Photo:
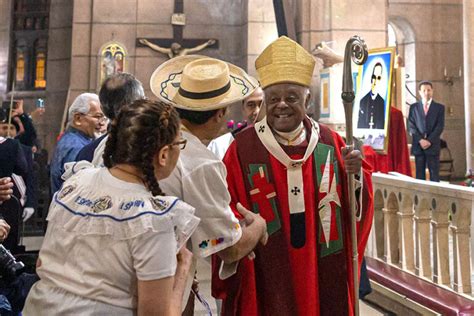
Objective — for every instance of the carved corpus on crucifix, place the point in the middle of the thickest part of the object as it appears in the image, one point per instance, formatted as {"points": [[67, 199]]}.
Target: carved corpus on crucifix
{"points": [[177, 46]]}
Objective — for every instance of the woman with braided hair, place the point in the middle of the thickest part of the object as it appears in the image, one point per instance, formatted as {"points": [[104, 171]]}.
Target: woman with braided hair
{"points": [[113, 238]]}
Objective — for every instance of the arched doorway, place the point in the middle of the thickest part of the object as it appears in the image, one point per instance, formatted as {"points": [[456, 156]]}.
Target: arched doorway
{"points": [[402, 36]]}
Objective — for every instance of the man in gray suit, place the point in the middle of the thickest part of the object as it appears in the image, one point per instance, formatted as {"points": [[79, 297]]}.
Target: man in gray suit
{"points": [[425, 124]]}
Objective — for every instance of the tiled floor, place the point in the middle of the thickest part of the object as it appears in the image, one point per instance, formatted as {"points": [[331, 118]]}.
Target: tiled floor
{"points": [[204, 276]]}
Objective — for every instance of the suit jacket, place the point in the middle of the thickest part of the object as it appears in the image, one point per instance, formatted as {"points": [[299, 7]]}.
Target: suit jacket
{"points": [[87, 152], [429, 127], [369, 106]]}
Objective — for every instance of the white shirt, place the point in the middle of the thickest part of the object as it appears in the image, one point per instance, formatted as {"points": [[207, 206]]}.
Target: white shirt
{"points": [[220, 145], [98, 161], [105, 234], [199, 179]]}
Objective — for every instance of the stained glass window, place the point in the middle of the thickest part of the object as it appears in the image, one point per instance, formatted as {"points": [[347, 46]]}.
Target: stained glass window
{"points": [[112, 60], [40, 80], [30, 23], [20, 68]]}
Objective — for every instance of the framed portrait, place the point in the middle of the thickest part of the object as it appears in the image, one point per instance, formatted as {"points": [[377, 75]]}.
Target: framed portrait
{"points": [[372, 98], [324, 93]]}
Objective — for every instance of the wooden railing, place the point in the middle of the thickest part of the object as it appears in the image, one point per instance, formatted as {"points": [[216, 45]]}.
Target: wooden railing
{"points": [[424, 228]]}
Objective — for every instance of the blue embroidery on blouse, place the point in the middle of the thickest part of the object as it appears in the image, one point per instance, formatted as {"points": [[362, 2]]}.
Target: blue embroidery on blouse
{"points": [[125, 206], [84, 201]]}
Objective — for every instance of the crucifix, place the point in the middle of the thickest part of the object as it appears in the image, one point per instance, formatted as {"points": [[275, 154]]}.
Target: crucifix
{"points": [[177, 46], [371, 123]]}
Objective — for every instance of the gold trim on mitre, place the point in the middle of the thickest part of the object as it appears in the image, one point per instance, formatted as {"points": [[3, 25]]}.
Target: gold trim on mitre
{"points": [[285, 61]]}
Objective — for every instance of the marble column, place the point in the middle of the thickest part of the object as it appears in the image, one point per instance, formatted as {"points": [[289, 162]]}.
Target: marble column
{"points": [[57, 72], [261, 30], [468, 38]]}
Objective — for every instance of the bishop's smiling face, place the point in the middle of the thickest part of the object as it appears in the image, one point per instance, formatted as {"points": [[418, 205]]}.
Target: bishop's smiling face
{"points": [[286, 105]]}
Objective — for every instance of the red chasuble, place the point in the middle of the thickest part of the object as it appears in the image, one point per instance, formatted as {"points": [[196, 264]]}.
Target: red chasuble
{"points": [[314, 275]]}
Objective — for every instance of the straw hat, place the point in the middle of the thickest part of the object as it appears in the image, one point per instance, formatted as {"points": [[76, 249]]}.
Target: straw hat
{"points": [[200, 83], [285, 61]]}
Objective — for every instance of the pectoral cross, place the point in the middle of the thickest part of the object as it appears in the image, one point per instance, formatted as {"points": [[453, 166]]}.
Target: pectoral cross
{"points": [[371, 123], [177, 46]]}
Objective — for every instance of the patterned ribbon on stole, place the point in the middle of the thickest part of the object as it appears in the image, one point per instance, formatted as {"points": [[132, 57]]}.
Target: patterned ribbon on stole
{"points": [[294, 176]]}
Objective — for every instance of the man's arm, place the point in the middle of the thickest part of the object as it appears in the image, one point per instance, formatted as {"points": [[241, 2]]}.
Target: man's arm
{"points": [[200, 47], [439, 126], [412, 127], [255, 230], [205, 188]]}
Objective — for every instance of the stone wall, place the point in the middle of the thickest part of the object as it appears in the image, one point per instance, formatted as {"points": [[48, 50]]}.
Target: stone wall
{"points": [[336, 21], [57, 72], [435, 44], [5, 21], [97, 22]]}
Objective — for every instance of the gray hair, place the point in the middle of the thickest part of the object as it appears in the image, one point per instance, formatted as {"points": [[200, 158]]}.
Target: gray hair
{"points": [[82, 105]]}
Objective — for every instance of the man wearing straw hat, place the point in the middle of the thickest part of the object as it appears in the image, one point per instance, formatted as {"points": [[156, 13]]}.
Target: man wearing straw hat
{"points": [[291, 170], [201, 89]]}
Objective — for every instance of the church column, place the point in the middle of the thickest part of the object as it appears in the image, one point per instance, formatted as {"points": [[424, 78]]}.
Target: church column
{"points": [[5, 21], [261, 30], [468, 38], [57, 69]]}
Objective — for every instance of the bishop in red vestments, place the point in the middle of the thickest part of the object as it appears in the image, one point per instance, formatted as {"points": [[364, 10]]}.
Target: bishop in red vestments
{"points": [[292, 171]]}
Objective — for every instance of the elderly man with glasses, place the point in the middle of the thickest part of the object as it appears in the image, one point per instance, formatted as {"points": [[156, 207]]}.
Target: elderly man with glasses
{"points": [[85, 119]]}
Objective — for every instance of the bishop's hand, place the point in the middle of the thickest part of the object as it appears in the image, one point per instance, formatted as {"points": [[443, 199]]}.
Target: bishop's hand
{"points": [[352, 160]]}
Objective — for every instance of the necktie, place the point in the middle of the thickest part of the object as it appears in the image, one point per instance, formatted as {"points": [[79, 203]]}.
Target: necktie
{"points": [[425, 107]]}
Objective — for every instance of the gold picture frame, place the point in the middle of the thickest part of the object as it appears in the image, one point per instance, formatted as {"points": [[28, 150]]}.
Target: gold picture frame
{"points": [[371, 115]]}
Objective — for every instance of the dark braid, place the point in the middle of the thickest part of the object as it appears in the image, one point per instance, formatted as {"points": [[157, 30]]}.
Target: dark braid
{"points": [[147, 166], [140, 130]]}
